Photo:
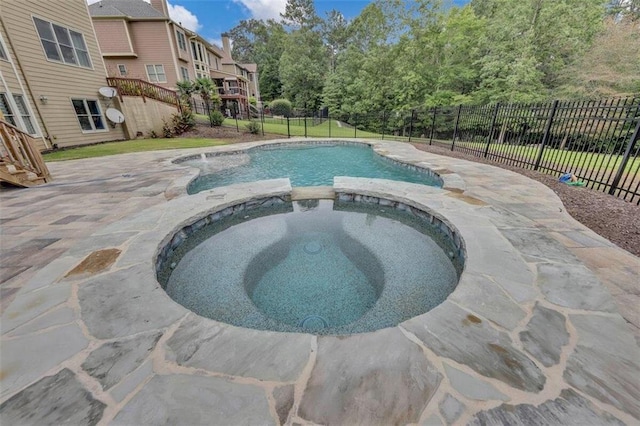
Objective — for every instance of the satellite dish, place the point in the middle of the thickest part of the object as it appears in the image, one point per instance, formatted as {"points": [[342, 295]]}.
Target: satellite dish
{"points": [[108, 92], [114, 115]]}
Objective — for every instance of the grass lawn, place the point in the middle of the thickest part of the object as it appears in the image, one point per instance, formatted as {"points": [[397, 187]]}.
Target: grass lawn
{"points": [[125, 147], [550, 157], [325, 130]]}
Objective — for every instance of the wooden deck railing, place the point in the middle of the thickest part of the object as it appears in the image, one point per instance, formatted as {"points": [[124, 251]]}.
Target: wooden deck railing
{"points": [[137, 87], [20, 160]]}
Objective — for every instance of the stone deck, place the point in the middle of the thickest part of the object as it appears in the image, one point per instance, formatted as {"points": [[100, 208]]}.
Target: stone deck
{"points": [[542, 329]]}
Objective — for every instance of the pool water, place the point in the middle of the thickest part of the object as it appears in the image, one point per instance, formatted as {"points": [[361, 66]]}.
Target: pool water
{"points": [[316, 270], [305, 165]]}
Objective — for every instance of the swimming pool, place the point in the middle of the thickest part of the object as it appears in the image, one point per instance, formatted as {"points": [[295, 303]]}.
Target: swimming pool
{"points": [[309, 164]]}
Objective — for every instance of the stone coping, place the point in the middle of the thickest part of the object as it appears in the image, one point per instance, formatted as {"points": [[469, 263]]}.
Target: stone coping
{"points": [[530, 335]]}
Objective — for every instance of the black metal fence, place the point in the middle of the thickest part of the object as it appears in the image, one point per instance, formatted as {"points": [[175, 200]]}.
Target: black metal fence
{"points": [[597, 141]]}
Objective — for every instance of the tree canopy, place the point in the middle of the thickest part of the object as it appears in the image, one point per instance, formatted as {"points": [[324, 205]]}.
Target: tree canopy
{"points": [[402, 54]]}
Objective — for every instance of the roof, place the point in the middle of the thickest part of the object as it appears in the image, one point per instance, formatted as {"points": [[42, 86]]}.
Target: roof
{"points": [[250, 67], [124, 8]]}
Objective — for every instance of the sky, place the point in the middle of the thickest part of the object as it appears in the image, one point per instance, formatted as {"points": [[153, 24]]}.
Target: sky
{"points": [[210, 18]]}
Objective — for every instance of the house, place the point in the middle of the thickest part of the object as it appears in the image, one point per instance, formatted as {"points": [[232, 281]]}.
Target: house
{"points": [[238, 82], [51, 70], [139, 40]]}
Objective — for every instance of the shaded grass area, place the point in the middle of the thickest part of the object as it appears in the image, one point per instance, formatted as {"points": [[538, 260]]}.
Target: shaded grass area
{"points": [[329, 128], [125, 147]]}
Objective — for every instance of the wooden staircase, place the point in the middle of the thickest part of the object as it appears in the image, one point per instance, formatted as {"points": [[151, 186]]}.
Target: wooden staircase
{"points": [[21, 163]]}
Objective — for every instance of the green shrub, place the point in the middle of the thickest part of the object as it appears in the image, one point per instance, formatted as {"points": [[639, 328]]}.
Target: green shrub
{"points": [[183, 121], [254, 127], [281, 107], [216, 118], [167, 130]]}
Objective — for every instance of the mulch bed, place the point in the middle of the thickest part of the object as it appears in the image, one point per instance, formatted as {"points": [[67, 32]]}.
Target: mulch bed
{"points": [[613, 218], [230, 134]]}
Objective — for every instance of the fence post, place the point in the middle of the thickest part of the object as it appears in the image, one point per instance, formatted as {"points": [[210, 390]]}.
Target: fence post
{"points": [[433, 125], [384, 122], [492, 129], [262, 119], [305, 125], [288, 129], [355, 126], [547, 134], [411, 125], [625, 159], [329, 118], [455, 129]]}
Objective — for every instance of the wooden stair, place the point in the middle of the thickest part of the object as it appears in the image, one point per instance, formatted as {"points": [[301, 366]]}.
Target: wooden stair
{"points": [[21, 164]]}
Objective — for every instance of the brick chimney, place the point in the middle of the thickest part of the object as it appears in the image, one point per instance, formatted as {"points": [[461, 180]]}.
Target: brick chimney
{"points": [[226, 45], [161, 6]]}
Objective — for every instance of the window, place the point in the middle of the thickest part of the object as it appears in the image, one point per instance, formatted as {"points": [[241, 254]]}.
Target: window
{"points": [[156, 74], [62, 44], [182, 41], [24, 113], [89, 115], [216, 62], [185, 73], [194, 51], [122, 69], [6, 110], [3, 54]]}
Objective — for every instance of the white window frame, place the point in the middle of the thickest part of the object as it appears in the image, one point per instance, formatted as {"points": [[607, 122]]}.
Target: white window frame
{"points": [[25, 115], [184, 73], [75, 49], [88, 114], [10, 113], [182, 40], [16, 114], [4, 55], [122, 74], [155, 78]]}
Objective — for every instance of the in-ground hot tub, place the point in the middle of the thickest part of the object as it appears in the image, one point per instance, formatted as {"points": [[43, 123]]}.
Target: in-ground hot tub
{"points": [[316, 266]]}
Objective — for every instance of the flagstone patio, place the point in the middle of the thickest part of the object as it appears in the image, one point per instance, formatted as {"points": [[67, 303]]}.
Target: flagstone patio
{"points": [[533, 333]]}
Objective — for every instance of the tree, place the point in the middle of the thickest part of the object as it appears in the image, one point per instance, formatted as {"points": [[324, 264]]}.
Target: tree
{"points": [[185, 89], [261, 43], [335, 32], [300, 14], [303, 66], [529, 44], [610, 67], [207, 90]]}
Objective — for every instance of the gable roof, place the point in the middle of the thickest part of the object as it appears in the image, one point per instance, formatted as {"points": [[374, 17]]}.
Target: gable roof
{"points": [[124, 8]]}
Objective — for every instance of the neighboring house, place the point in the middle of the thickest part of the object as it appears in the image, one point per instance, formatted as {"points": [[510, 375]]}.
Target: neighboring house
{"points": [[50, 72], [139, 40], [240, 81]]}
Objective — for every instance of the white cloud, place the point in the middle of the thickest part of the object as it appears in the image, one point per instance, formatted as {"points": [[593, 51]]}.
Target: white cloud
{"points": [[264, 9], [177, 13], [216, 41], [183, 16]]}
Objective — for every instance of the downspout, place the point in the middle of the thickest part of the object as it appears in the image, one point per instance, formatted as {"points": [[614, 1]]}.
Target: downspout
{"points": [[47, 139]]}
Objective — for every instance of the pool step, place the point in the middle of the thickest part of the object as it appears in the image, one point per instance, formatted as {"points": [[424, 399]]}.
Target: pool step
{"points": [[312, 193]]}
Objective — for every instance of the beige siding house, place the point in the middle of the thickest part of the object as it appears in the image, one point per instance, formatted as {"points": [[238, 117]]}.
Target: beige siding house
{"points": [[50, 71], [139, 40]]}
